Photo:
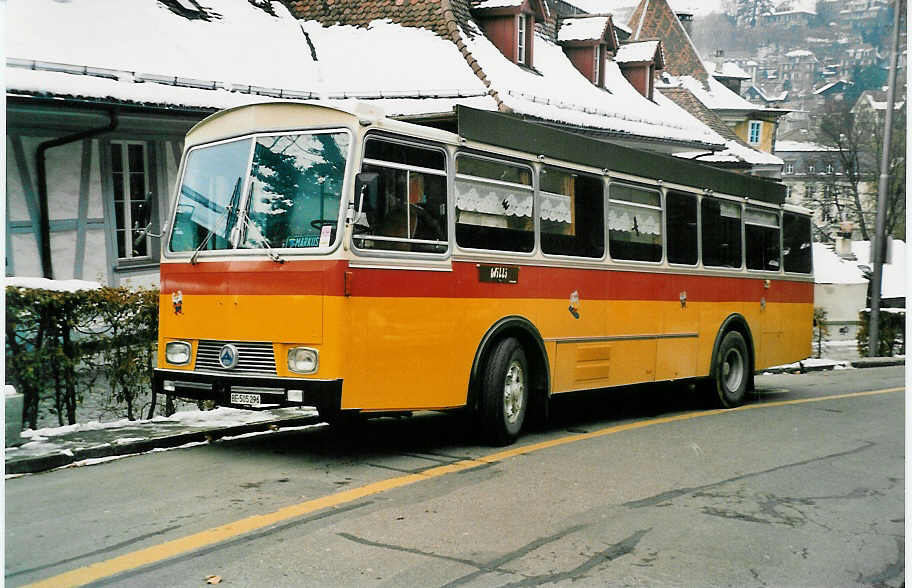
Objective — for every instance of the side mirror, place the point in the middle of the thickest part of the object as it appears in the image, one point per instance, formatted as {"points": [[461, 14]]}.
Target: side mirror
{"points": [[367, 189]]}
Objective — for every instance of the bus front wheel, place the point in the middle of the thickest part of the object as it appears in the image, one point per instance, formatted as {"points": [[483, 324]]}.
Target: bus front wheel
{"points": [[504, 392], [732, 370]]}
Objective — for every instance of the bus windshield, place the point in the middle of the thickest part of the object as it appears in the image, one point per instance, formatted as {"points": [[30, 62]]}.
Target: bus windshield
{"points": [[271, 191]]}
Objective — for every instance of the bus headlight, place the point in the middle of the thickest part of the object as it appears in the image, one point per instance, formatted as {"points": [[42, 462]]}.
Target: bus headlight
{"points": [[177, 352], [303, 360]]}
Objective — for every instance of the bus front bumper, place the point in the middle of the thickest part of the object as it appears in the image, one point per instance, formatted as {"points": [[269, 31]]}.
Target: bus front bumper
{"points": [[247, 391]]}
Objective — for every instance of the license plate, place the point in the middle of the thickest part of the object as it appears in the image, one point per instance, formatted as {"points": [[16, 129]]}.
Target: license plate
{"points": [[248, 399]]}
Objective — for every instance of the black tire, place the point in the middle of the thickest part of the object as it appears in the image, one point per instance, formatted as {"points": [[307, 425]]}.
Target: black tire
{"points": [[731, 373], [504, 393]]}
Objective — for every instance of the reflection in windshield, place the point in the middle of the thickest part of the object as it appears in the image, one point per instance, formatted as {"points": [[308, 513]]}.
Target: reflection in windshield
{"points": [[296, 190], [207, 206], [292, 199]]}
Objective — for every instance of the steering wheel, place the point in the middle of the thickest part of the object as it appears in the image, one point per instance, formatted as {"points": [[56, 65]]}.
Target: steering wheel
{"points": [[319, 223]]}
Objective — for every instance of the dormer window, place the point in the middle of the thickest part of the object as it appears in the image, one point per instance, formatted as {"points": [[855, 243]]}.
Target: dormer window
{"points": [[639, 62], [510, 25], [586, 42]]}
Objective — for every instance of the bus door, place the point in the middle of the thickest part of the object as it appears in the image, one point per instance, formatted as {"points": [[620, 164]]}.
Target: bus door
{"points": [[762, 254], [403, 293], [676, 353]]}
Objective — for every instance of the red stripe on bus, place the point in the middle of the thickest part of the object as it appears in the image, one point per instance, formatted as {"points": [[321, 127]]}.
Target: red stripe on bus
{"points": [[327, 278]]}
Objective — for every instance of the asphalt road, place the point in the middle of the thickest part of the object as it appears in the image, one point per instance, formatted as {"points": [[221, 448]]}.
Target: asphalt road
{"points": [[637, 487]]}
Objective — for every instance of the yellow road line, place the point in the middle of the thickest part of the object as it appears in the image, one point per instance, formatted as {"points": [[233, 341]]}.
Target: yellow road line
{"points": [[176, 547]]}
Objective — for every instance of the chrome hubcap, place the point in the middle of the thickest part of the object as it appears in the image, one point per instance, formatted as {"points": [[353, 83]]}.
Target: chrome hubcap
{"points": [[514, 387], [733, 370]]}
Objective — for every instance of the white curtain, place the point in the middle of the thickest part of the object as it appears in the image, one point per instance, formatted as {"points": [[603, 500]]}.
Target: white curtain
{"points": [[492, 199]]}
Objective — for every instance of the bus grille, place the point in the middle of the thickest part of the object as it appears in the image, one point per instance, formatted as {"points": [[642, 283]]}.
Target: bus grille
{"points": [[254, 357]]}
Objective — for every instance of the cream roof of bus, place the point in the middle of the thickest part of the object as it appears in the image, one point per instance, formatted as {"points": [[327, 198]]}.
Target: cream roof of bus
{"points": [[284, 116]]}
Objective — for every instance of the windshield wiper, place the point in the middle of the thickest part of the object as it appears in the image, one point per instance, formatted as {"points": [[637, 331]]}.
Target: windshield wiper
{"points": [[259, 238], [226, 213]]}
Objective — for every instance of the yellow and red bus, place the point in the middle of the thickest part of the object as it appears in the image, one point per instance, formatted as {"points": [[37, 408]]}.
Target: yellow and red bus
{"points": [[336, 258]]}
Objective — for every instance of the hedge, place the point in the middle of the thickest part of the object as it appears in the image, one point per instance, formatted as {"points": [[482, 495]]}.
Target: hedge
{"points": [[59, 343], [892, 327]]}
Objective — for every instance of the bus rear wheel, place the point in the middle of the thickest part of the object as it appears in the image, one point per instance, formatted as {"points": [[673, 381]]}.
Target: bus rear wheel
{"points": [[732, 370], [504, 393]]}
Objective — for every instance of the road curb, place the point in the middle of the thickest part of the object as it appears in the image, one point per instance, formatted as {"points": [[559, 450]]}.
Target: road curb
{"points": [[39, 463], [867, 362]]}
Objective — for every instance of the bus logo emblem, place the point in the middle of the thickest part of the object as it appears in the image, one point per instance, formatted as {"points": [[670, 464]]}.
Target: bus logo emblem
{"points": [[228, 356]]}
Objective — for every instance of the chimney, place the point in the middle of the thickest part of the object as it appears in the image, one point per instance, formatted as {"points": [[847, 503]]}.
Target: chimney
{"points": [[719, 59], [686, 19], [844, 240]]}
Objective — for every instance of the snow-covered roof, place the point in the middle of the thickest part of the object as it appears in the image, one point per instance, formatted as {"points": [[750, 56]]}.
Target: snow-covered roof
{"points": [[735, 152], [802, 5], [778, 97], [826, 87], [558, 92], [893, 281], [163, 58], [787, 12], [166, 59], [802, 146], [583, 29], [876, 100], [829, 268], [714, 94], [146, 37], [497, 4], [637, 52], [799, 53], [729, 69]]}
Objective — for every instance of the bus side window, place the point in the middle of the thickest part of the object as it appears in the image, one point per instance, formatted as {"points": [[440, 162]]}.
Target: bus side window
{"points": [[410, 209], [721, 241], [571, 208], [796, 240], [761, 236], [681, 226], [634, 223], [493, 205]]}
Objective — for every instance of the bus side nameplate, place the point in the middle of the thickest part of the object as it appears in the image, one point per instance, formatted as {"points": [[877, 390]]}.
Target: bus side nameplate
{"points": [[498, 274]]}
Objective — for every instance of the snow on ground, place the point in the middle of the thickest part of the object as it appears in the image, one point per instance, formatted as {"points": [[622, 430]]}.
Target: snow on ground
{"points": [[221, 417]]}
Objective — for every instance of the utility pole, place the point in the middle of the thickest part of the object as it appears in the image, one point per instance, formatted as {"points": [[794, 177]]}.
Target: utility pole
{"points": [[878, 245]]}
